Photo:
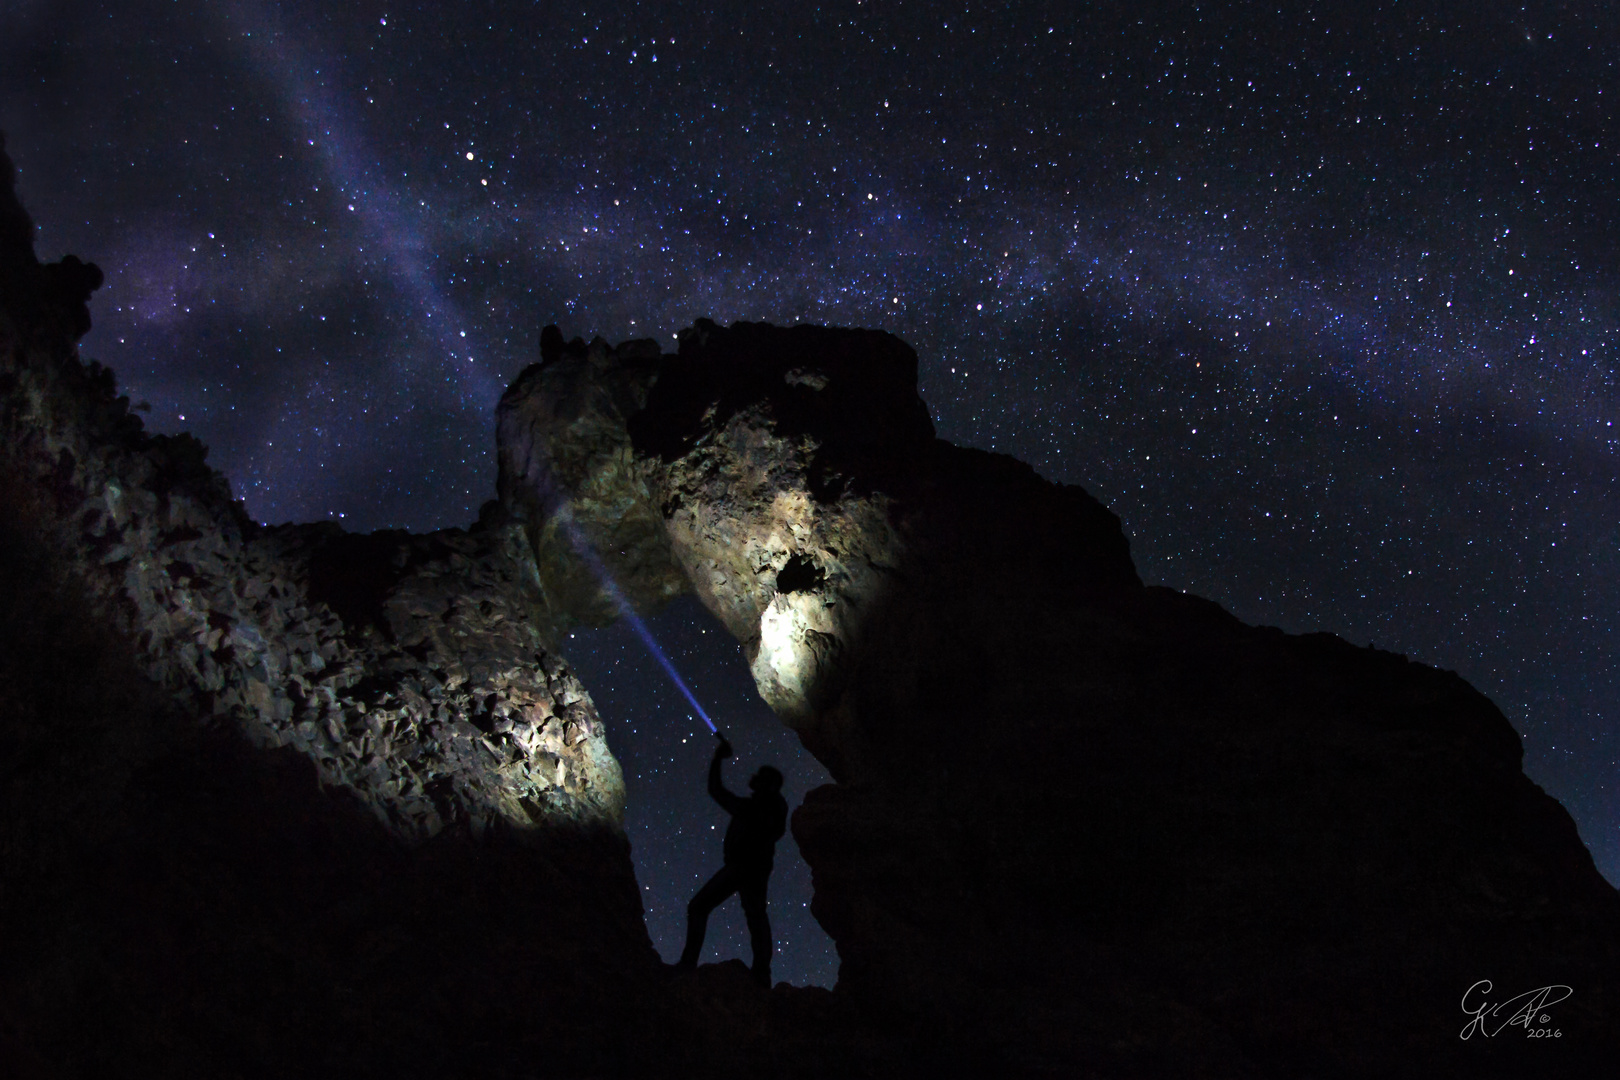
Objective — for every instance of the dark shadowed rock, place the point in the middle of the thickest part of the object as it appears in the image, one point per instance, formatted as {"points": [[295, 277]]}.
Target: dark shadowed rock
{"points": [[291, 801], [1078, 824]]}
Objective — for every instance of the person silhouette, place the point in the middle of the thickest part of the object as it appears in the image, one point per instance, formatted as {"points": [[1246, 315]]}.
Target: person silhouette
{"points": [[757, 823]]}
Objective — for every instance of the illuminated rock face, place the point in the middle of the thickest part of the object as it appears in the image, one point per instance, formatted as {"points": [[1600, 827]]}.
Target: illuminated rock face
{"points": [[1076, 819], [796, 487], [763, 445], [411, 670], [407, 668]]}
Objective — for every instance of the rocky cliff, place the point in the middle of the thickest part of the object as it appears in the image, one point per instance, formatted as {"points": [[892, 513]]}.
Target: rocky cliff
{"points": [[408, 668], [1078, 823], [219, 742], [295, 802], [291, 801]]}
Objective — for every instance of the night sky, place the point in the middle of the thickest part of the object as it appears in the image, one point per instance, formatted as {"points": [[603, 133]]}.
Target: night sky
{"points": [[1322, 300]]}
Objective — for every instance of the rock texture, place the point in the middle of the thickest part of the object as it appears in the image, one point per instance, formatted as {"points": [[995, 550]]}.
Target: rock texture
{"points": [[1080, 827], [568, 474], [410, 669]]}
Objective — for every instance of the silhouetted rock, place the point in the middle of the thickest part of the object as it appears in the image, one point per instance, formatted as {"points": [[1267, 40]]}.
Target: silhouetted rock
{"points": [[1077, 824], [292, 801]]}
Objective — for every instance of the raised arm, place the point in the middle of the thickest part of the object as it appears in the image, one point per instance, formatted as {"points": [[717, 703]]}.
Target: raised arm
{"points": [[717, 790]]}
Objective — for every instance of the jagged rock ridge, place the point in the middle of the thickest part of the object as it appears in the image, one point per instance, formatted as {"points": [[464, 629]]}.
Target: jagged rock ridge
{"points": [[410, 669]]}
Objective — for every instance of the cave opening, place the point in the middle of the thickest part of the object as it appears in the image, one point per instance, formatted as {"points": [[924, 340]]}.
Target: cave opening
{"points": [[663, 746], [799, 574]]}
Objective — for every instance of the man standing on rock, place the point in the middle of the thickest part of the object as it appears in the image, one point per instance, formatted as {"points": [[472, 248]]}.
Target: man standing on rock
{"points": [[757, 823]]}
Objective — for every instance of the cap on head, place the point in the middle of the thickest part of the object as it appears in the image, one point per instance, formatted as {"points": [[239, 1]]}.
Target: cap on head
{"points": [[768, 778]]}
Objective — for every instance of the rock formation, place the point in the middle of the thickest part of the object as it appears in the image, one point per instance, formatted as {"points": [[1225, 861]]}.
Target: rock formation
{"points": [[281, 801], [410, 669], [1078, 823], [290, 801]]}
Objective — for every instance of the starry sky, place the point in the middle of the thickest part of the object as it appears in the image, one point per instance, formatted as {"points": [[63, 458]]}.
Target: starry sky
{"points": [[1322, 299]]}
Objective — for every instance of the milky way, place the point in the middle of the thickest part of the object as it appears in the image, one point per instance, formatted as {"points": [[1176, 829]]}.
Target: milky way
{"points": [[1323, 306]]}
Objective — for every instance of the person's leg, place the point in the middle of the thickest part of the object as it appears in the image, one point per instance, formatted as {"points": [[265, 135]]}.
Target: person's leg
{"points": [[752, 895], [722, 885]]}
